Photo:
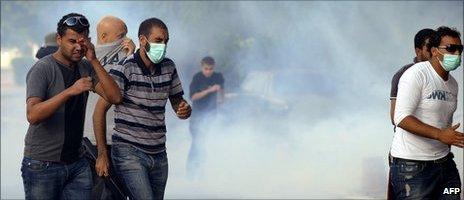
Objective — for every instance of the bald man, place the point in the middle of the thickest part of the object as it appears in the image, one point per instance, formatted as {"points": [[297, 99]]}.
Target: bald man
{"points": [[112, 44], [112, 47]]}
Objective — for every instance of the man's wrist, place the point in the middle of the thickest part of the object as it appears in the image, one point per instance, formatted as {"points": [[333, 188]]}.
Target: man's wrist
{"points": [[67, 92], [436, 134], [95, 62], [102, 151]]}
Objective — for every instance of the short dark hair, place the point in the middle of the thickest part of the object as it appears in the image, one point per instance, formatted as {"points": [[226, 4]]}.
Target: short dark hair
{"points": [[62, 27], [441, 32], [422, 36], [148, 24], [208, 60]]}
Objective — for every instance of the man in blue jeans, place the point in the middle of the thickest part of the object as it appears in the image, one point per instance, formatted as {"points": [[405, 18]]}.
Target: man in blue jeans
{"points": [[147, 80], [421, 164], [57, 88]]}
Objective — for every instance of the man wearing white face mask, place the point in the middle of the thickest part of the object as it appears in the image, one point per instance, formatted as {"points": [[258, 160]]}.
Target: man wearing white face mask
{"points": [[421, 164], [147, 79]]}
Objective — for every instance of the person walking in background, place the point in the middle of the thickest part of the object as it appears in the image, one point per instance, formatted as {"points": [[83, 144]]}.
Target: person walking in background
{"points": [[50, 46], [206, 90]]}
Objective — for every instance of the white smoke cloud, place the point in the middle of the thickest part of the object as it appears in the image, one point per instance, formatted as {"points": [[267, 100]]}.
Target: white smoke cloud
{"points": [[332, 64]]}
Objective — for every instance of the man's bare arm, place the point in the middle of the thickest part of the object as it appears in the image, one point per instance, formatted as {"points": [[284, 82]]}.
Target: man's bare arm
{"points": [[392, 111], [201, 94], [99, 124], [99, 128], [448, 135], [106, 87], [38, 110]]}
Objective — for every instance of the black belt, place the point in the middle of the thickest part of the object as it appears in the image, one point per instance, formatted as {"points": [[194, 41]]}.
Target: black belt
{"points": [[441, 160]]}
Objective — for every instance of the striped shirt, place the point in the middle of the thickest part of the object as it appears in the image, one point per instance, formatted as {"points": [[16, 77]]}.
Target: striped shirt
{"points": [[140, 118]]}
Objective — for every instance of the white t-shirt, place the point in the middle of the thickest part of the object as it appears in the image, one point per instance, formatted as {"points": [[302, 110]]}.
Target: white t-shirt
{"points": [[109, 55], [423, 94]]}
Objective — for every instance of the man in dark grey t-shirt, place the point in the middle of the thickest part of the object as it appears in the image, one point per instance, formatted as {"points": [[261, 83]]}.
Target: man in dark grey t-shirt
{"points": [[57, 90]]}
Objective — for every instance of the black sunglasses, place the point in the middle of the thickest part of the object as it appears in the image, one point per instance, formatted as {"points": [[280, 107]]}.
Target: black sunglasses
{"points": [[452, 48], [72, 21]]}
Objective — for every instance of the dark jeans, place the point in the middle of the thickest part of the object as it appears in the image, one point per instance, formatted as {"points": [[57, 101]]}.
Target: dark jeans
{"points": [[104, 188], [51, 180], [144, 175], [424, 179]]}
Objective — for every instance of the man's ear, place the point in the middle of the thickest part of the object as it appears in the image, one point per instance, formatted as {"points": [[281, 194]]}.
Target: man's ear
{"points": [[434, 51], [103, 36], [58, 39], [143, 42], [418, 51]]}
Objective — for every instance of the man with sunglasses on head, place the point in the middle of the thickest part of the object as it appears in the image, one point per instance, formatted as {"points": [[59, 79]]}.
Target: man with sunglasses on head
{"points": [[421, 162], [147, 79], [53, 166]]}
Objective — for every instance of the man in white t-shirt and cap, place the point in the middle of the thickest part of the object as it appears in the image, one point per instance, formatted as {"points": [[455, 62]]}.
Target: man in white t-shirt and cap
{"points": [[421, 163]]}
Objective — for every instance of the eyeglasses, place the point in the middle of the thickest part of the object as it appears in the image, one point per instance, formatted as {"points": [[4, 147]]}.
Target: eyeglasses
{"points": [[72, 21], [452, 48]]}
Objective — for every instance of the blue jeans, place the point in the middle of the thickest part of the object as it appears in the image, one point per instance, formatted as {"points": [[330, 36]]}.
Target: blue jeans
{"points": [[144, 175], [51, 180], [424, 179]]}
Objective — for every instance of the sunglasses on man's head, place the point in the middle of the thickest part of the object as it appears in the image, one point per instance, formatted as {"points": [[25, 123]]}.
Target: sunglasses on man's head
{"points": [[72, 21], [452, 48]]}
